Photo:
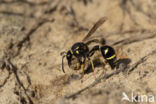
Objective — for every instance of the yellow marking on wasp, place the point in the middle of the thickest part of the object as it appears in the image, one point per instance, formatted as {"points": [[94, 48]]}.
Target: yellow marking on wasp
{"points": [[71, 51], [106, 51], [109, 58], [77, 52], [77, 47]]}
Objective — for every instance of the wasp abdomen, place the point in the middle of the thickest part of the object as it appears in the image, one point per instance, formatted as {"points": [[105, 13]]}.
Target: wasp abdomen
{"points": [[109, 54]]}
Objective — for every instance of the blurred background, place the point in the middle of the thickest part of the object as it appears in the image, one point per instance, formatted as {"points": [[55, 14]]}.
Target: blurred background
{"points": [[33, 33]]}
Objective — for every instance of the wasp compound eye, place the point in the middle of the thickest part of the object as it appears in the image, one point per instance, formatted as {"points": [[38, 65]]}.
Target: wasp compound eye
{"points": [[69, 55]]}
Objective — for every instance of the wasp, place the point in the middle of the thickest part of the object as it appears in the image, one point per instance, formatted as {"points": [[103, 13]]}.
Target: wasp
{"points": [[80, 51]]}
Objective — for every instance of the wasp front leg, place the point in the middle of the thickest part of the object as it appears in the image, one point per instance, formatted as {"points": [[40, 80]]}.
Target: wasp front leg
{"points": [[82, 64], [82, 70]]}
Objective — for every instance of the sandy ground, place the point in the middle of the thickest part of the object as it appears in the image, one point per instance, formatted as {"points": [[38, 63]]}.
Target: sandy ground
{"points": [[33, 33]]}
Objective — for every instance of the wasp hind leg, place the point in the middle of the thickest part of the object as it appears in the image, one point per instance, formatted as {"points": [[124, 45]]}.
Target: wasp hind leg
{"points": [[93, 69]]}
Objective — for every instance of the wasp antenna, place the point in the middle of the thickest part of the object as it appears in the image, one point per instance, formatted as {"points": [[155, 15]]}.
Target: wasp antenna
{"points": [[63, 63], [63, 54]]}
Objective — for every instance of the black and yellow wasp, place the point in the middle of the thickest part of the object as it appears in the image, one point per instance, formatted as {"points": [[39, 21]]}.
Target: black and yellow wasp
{"points": [[80, 51]]}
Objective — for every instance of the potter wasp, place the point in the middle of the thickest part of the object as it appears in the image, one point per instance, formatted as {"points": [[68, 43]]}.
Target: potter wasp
{"points": [[80, 51]]}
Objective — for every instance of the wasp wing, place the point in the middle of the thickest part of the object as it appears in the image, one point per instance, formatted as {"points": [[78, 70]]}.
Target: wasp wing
{"points": [[95, 27]]}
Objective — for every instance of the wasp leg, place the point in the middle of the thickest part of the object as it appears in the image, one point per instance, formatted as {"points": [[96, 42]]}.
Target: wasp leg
{"points": [[91, 53], [92, 64], [82, 71], [82, 64], [77, 66]]}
